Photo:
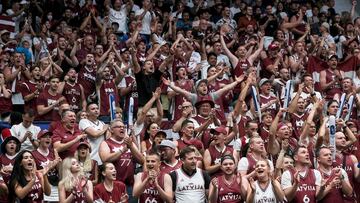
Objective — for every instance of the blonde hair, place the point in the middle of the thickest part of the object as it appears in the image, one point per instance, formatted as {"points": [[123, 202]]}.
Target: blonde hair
{"points": [[67, 177], [87, 167]]}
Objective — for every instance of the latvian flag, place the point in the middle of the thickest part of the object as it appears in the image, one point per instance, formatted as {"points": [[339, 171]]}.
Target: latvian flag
{"points": [[7, 23], [316, 65]]}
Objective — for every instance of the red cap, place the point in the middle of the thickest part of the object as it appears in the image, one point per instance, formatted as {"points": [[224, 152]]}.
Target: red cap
{"points": [[5, 133], [220, 129], [44, 133], [86, 143], [273, 46]]}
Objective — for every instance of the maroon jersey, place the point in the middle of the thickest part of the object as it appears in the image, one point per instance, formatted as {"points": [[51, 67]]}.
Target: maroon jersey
{"points": [[265, 73], [241, 122], [101, 194], [179, 99], [252, 163], [226, 98], [306, 189], [184, 143], [206, 137], [347, 164], [228, 193], [26, 88], [72, 94], [151, 194], [297, 122], [264, 134], [335, 194], [219, 106], [107, 88], [239, 69], [86, 78], [64, 136], [36, 194], [47, 99], [43, 160], [166, 168], [125, 165], [264, 100], [5, 103], [216, 155], [335, 88], [5, 161]]}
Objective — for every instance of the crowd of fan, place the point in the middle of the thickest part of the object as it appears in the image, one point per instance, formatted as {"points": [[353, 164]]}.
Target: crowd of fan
{"points": [[204, 109]]}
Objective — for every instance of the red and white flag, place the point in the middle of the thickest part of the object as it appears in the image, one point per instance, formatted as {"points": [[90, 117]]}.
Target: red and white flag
{"points": [[316, 65], [7, 23]]}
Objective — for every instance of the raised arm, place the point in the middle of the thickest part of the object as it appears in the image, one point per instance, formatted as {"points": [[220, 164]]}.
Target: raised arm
{"points": [[233, 59], [230, 86], [254, 56], [188, 95], [148, 106], [274, 145]]}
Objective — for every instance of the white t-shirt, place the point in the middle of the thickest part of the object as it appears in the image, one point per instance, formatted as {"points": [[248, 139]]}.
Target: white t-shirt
{"points": [[266, 195], [243, 164], [19, 131], [119, 17], [286, 178], [94, 142], [146, 21]]}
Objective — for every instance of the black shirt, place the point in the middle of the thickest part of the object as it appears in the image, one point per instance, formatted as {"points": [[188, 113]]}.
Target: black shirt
{"points": [[146, 85]]}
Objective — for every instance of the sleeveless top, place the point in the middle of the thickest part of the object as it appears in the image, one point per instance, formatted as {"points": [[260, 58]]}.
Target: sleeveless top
{"points": [[334, 89], [216, 155], [190, 188], [228, 193], [72, 94], [151, 194], [125, 165], [306, 191], [264, 195], [107, 88], [335, 194]]}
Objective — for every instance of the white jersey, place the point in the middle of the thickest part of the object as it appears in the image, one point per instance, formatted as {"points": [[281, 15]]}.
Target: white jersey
{"points": [[267, 195], [190, 189]]}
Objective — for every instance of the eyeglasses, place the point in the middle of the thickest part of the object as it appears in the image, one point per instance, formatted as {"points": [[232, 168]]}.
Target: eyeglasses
{"points": [[121, 126], [184, 107]]}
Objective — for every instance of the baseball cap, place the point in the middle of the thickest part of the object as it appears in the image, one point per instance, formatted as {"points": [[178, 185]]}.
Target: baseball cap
{"points": [[263, 81], [201, 81], [6, 137], [86, 143], [167, 143], [273, 46], [332, 56], [220, 129], [44, 133]]}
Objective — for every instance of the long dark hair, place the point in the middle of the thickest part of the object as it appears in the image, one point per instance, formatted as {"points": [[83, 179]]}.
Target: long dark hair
{"points": [[147, 134], [17, 176]]}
